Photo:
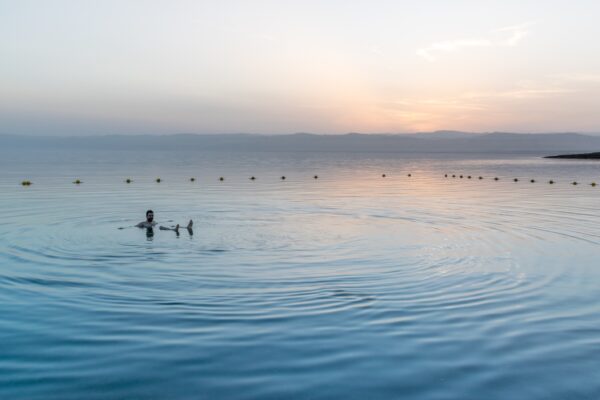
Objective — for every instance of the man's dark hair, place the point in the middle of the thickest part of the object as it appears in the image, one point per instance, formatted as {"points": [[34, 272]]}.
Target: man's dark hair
{"points": [[148, 212]]}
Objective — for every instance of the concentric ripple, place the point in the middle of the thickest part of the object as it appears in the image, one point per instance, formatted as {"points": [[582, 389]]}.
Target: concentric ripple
{"points": [[347, 286]]}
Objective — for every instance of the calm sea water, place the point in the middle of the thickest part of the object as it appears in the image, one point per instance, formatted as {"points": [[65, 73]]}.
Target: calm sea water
{"points": [[348, 286]]}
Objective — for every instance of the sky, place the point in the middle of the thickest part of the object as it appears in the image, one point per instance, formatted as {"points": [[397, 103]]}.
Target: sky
{"points": [[83, 67]]}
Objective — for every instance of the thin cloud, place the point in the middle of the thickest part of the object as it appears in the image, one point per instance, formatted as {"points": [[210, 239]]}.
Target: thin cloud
{"points": [[517, 34], [519, 93], [508, 36], [429, 53], [578, 77]]}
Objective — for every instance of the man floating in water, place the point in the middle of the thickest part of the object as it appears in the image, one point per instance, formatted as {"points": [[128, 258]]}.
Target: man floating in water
{"points": [[150, 224]]}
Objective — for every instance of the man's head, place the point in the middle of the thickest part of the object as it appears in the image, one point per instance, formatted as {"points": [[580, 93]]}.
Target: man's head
{"points": [[149, 215]]}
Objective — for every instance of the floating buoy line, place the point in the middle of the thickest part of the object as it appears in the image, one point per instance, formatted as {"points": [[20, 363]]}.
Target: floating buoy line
{"points": [[283, 177], [551, 182]]}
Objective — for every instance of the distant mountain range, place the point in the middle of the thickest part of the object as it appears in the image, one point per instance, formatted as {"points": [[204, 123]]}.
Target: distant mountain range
{"points": [[441, 141]]}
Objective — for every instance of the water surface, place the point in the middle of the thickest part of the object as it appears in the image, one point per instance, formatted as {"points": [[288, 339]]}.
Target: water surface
{"points": [[347, 286]]}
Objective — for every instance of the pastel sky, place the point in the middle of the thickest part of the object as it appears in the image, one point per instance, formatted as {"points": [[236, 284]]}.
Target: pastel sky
{"points": [[329, 66]]}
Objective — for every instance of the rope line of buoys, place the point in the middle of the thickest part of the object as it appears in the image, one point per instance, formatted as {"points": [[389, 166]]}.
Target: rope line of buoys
{"points": [[283, 177], [551, 182]]}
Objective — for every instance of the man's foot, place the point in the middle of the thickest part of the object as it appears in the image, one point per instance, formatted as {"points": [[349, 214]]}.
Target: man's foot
{"points": [[190, 224]]}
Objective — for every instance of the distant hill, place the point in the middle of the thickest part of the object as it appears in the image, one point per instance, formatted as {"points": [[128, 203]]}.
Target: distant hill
{"points": [[586, 156], [443, 141]]}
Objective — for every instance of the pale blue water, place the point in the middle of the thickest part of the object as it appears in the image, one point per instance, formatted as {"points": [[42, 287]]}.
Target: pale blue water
{"points": [[350, 286]]}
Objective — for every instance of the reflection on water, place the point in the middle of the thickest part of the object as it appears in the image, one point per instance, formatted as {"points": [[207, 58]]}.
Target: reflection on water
{"points": [[347, 286]]}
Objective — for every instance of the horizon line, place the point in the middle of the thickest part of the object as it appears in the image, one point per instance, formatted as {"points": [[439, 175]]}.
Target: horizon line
{"points": [[442, 131]]}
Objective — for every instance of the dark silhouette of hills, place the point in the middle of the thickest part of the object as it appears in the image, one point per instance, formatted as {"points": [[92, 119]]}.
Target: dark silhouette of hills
{"points": [[442, 141], [586, 156]]}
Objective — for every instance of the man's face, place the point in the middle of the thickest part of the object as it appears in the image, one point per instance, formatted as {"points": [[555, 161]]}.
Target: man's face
{"points": [[150, 217]]}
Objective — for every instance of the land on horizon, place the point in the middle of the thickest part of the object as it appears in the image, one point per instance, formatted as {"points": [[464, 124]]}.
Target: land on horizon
{"points": [[585, 156], [439, 141]]}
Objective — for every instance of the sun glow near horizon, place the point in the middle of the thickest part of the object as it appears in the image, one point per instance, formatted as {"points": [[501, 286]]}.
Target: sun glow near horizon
{"points": [[282, 67]]}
